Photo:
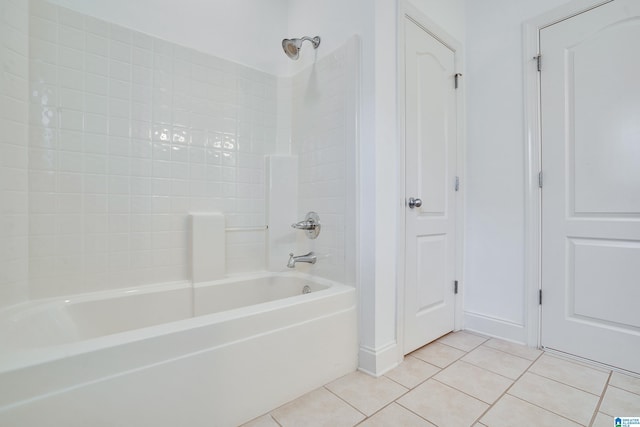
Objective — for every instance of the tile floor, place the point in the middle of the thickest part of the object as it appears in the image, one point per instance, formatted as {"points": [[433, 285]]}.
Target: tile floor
{"points": [[462, 380]]}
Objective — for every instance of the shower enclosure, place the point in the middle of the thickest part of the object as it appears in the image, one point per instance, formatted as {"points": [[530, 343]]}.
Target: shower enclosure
{"points": [[113, 139]]}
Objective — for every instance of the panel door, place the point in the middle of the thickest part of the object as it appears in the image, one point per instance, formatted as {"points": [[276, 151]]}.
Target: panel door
{"points": [[430, 175], [590, 94]]}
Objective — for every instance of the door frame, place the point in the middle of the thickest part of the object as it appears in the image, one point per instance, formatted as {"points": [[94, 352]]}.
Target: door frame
{"points": [[533, 147], [407, 10]]}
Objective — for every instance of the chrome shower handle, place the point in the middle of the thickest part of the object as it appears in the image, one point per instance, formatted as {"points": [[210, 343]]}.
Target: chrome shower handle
{"points": [[311, 225], [305, 225]]}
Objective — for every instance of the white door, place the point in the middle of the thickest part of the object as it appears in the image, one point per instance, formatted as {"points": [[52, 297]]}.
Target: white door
{"points": [[430, 170], [590, 95]]}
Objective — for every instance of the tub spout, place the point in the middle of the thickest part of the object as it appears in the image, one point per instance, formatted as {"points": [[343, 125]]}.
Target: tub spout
{"points": [[310, 258]]}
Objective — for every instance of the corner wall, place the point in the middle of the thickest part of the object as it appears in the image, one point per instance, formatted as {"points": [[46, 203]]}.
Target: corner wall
{"points": [[495, 186]]}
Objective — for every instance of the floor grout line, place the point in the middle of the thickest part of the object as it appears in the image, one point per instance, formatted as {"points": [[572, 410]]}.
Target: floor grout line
{"points": [[604, 391], [509, 388], [560, 382], [545, 409], [329, 390]]}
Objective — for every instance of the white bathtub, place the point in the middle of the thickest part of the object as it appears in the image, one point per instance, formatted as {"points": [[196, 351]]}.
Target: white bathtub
{"points": [[213, 354]]}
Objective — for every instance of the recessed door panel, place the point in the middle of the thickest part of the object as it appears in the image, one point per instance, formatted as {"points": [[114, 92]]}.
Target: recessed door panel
{"points": [[600, 272], [432, 78], [607, 139], [432, 264]]}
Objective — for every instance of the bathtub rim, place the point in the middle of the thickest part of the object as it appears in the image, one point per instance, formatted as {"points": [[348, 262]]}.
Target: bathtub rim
{"points": [[23, 358]]}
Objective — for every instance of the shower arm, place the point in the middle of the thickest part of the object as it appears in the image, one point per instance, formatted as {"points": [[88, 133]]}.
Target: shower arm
{"points": [[314, 40]]}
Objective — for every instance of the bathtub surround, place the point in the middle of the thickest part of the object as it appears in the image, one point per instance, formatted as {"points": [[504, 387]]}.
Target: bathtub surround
{"points": [[323, 137], [14, 191], [129, 134]]}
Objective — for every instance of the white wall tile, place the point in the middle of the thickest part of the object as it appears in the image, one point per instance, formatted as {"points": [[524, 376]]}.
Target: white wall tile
{"points": [[97, 176]]}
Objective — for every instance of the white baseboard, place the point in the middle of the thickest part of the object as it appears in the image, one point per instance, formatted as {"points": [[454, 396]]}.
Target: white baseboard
{"points": [[377, 362], [494, 327]]}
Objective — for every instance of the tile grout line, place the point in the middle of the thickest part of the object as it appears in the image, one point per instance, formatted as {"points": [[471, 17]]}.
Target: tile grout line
{"points": [[547, 410], [597, 408], [623, 389], [512, 354], [560, 382], [538, 406], [274, 419], [330, 391], [409, 391], [509, 388], [551, 379], [416, 414]]}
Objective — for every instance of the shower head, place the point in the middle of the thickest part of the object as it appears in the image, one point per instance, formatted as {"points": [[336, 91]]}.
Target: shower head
{"points": [[292, 46]]}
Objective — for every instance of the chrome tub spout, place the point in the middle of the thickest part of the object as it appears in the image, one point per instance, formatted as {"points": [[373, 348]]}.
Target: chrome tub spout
{"points": [[310, 258]]}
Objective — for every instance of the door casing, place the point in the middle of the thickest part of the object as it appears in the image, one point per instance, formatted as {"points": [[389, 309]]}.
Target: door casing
{"points": [[533, 217], [407, 10]]}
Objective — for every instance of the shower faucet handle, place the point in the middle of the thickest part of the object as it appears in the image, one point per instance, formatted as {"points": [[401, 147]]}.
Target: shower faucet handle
{"points": [[305, 225], [311, 225]]}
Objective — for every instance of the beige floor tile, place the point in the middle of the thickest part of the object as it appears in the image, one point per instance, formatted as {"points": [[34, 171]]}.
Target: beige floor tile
{"points": [[412, 372], [603, 420], [511, 411], [263, 421], [571, 373], [620, 403], [625, 382], [438, 354], [562, 399], [395, 415], [461, 340], [513, 348], [443, 405], [318, 408], [477, 382], [498, 361], [366, 393]]}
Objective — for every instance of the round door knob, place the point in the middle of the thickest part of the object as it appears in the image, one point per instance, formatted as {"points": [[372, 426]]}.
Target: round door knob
{"points": [[414, 203]]}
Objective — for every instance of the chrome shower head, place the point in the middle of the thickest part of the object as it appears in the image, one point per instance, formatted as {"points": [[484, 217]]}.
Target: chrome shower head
{"points": [[292, 46]]}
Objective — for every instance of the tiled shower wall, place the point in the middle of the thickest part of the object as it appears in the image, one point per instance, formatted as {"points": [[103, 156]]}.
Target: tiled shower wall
{"points": [[323, 137], [128, 134], [14, 61]]}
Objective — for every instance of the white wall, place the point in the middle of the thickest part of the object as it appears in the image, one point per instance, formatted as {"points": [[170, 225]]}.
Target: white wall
{"points": [[495, 184], [243, 31]]}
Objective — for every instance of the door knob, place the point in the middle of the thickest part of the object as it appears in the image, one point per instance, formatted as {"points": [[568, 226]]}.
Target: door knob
{"points": [[414, 203]]}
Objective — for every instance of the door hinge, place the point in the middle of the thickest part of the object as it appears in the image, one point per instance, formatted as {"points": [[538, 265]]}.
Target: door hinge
{"points": [[457, 184], [540, 179], [455, 80], [455, 287], [538, 59], [540, 297]]}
